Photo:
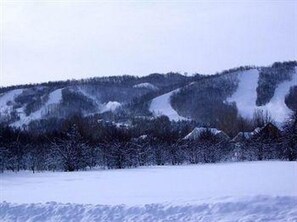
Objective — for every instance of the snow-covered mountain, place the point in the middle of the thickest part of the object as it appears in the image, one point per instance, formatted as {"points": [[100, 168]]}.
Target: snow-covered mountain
{"points": [[209, 99], [242, 92]]}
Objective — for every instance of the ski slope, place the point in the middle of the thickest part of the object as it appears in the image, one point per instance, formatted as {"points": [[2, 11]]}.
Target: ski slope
{"points": [[276, 106], [227, 192], [54, 98], [246, 95], [161, 106], [93, 98], [6, 98]]}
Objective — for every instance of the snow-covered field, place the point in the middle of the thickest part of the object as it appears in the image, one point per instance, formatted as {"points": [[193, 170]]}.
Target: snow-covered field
{"points": [[247, 191]]}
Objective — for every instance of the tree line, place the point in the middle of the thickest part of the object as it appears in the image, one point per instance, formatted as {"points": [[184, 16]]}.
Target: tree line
{"points": [[85, 143]]}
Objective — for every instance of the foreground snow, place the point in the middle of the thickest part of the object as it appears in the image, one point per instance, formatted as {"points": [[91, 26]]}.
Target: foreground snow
{"points": [[231, 191], [258, 208]]}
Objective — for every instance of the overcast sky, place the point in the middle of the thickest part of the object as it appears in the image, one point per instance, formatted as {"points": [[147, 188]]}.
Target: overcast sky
{"points": [[52, 40]]}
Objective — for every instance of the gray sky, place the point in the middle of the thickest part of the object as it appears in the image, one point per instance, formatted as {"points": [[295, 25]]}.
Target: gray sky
{"points": [[52, 40]]}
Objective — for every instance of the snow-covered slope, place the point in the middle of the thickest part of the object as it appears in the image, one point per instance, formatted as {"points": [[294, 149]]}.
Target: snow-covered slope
{"points": [[276, 106], [205, 99], [91, 97], [51, 103], [250, 191], [7, 99], [54, 98], [101, 108], [161, 106], [246, 93]]}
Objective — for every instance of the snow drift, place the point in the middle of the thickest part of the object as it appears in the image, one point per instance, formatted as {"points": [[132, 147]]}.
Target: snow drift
{"points": [[259, 208]]}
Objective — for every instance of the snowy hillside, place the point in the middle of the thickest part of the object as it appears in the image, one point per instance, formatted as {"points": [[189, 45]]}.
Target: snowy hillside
{"points": [[228, 192], [238, 92], [54, 99], [161, 106], [276, 106], [22, 106], [246, 95], [7, 100]]}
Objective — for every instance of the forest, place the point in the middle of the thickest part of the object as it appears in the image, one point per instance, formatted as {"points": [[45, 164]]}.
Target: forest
{"points": [[82, 143]]}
